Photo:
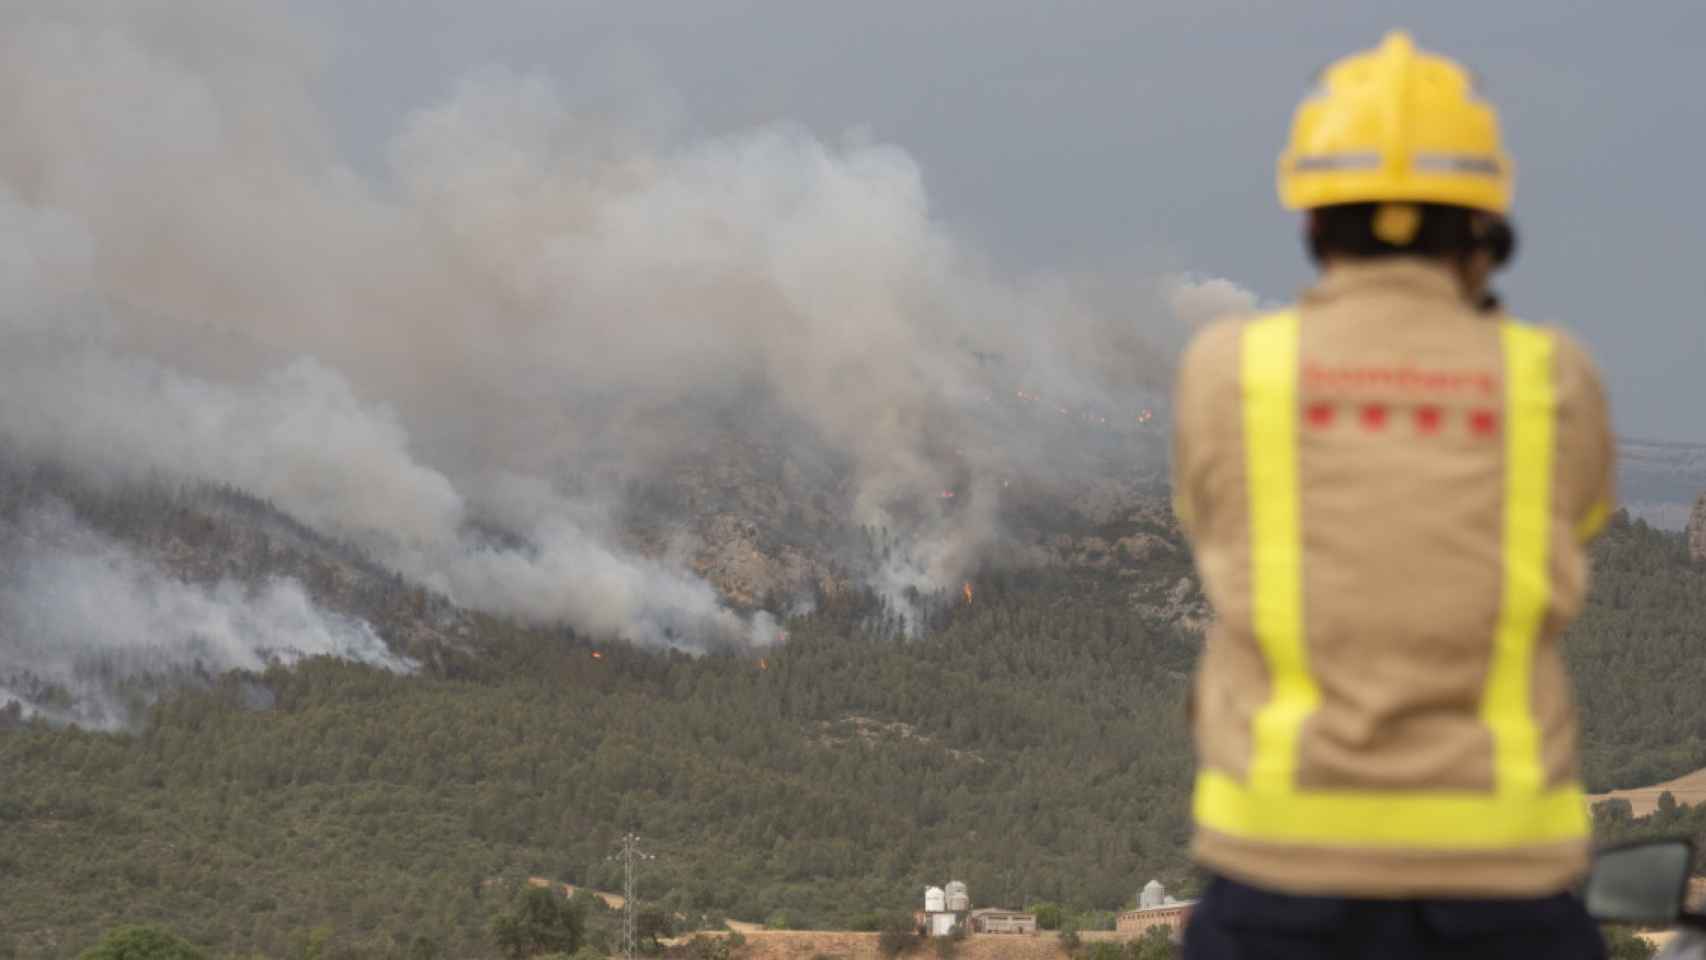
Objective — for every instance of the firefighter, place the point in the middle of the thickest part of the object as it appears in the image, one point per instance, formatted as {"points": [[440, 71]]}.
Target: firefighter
{"points": [[1390, 487]]}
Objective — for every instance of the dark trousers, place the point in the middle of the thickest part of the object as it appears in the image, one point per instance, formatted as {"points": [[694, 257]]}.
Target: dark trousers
{"points": [[1234, 921]]}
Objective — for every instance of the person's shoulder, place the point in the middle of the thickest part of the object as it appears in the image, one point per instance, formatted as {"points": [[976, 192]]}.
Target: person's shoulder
{"points": [[1215, 345], [1573, 359], [1577, 373]]}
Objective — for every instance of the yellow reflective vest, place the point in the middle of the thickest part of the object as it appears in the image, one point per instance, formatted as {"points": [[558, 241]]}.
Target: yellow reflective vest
{"points": [[1389, 493]]}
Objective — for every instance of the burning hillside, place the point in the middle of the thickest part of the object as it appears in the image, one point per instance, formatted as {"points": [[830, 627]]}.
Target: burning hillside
{"points": [[544, 365]]}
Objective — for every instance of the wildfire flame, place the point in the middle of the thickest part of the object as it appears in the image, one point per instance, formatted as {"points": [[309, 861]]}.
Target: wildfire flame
{"points": [[763, 663], [597, 656], [968, 591], [1088, 416], [947, 494]]}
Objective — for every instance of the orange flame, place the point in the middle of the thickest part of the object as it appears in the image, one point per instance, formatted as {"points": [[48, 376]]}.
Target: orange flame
{"points": [[763, 663], [947, 494], [597, 656], [968, 591]]}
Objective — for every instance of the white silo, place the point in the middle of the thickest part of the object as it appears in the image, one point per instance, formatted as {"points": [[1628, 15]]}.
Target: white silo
{"points": [[959, 899], [1153, 895], [935, 901]]}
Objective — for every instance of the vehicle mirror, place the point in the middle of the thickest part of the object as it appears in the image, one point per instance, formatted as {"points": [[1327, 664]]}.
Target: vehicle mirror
{"points": [[1641, 883]]}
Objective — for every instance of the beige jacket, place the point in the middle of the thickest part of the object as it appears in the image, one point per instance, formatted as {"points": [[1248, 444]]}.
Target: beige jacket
{"points": [[1401, 481]]}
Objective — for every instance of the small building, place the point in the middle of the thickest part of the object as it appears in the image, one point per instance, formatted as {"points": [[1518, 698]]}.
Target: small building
{"points": [[1155, 909], [959, 898], [944, 909], [997, 920]]}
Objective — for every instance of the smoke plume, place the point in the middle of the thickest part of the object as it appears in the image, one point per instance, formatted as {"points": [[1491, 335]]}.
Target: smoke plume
{"points": [[80, 615], [466, 365]]}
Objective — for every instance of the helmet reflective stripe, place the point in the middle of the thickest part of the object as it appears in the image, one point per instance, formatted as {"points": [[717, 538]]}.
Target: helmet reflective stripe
{"points": [[1337, 161], [1457, 163], [1519, 809]]}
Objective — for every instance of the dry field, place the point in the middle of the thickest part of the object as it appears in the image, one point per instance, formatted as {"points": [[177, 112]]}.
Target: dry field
{"points": [[841, 945], [1689, 788]]}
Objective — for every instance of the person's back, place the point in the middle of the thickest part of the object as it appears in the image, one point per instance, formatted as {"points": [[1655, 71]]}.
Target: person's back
{"points": [[1388, 487]]}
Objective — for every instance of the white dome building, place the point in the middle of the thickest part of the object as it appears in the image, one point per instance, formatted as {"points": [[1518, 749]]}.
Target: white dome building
{"points": [[959, 899]]}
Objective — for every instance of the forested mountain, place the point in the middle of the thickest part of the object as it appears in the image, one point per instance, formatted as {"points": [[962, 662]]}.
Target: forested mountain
{"points": [[1032, 746], [1030, 741], [1637, 657]]}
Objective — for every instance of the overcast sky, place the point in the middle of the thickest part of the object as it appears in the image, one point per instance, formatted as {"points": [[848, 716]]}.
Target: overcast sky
{"points": [[1092, 135]]}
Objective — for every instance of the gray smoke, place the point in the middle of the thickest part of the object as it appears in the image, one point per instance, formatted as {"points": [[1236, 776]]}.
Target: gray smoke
{"points": [[80, 615], [503, 331]]}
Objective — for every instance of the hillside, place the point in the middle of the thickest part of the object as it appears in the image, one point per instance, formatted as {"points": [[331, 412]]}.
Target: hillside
{"points": [[1636, 658], [1029, 742], [817, 781]]}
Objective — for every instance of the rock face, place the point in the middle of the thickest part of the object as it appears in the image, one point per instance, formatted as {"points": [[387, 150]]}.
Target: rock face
{"points": [[1697, 529]]}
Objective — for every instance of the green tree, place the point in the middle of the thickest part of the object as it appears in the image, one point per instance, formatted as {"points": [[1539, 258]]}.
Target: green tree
{"points": [[537, 921], [898, 936], [653, 923], [1048, 916], [141, 943], [1155, 944], [1069, 937], [587, 904], [1620, 944]]}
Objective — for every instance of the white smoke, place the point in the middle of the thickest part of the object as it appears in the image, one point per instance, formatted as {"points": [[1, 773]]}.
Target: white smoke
{"points": [[1199, 300], [79, 613], [194, 284]]}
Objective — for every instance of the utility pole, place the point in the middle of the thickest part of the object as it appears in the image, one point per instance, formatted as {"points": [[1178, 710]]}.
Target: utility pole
{"points": [[630, 852]]}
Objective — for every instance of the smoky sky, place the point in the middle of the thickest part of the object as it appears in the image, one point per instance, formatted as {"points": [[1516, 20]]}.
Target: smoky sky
{"points": [[450, 281], [1142, 135], [462, 337]]}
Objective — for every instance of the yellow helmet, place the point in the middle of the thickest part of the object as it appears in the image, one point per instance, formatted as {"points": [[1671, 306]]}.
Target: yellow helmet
{"points": [[1395, 124]]}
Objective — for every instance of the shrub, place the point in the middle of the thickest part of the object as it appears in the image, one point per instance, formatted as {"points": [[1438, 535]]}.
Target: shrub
{"points": [[898, 936], [537, 921], [1101, 950], [141, 943], [1069, 937], [1048, 916]]}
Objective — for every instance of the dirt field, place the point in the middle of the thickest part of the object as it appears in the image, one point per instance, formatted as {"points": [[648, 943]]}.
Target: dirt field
{"points": [[837, 945], [614, 901], [1688, 788]]}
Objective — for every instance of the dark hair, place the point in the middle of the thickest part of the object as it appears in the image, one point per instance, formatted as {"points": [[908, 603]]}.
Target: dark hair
{"points": [[1348, 230]]}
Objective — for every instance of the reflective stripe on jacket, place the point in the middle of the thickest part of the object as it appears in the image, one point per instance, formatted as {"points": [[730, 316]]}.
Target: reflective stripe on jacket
{"points": [[1388, 493]]}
